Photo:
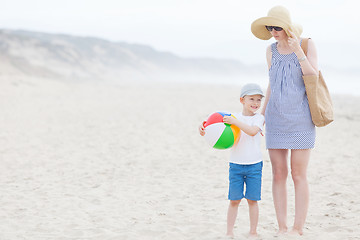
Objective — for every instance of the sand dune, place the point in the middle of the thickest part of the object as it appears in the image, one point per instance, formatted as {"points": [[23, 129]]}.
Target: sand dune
{"points": [[101, 161]]}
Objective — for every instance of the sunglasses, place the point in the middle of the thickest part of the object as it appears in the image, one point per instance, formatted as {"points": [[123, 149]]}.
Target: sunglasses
{"points": [[270, 28]]}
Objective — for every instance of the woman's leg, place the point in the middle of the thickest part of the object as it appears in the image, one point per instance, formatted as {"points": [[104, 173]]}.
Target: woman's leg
{"points": [[231, 216], [299, 162], [278, 159]]}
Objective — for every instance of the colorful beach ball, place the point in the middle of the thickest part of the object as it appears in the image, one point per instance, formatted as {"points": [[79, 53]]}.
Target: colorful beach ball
{"points": [[220, 135]]}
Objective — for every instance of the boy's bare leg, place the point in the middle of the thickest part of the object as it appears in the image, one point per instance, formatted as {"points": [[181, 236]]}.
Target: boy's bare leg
{"points": [[254, 216], [231, 216]]}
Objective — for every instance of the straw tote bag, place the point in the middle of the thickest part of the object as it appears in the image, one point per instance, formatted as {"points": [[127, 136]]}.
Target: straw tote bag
{"points": [[318, 95]]}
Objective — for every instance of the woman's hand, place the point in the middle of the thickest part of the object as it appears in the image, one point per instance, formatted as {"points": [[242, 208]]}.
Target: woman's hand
{"points": [[294, 43]]}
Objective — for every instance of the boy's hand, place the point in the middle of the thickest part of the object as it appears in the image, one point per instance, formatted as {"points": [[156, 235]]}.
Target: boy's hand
{"points": [[229, 120], [202, 129]]}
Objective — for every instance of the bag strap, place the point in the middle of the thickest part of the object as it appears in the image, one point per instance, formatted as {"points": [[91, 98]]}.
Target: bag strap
{"points": [[304, 45]]}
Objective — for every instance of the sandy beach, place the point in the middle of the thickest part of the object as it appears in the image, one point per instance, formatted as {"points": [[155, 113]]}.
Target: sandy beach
{"points": [[109, 161]]}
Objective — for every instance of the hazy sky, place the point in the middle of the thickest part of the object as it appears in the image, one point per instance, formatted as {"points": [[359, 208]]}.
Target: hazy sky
{"points": [[192, 28]]}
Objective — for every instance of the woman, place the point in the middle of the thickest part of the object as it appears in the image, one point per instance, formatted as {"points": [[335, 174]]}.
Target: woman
{"points": [[289, 128]]}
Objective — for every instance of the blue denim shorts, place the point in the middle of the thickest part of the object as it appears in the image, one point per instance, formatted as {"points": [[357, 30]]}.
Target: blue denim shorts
{"points": [[245, 175]]}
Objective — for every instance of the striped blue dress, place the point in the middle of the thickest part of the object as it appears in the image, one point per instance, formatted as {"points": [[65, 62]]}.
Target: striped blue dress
{"points": [[287, 116]]}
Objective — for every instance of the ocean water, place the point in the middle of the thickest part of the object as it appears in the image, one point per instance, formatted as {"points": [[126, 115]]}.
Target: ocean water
{"points": [[343, 84], [337, 83]]}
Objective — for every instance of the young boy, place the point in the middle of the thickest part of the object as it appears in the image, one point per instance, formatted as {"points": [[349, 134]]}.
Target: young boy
{"points": [[245, 159]]}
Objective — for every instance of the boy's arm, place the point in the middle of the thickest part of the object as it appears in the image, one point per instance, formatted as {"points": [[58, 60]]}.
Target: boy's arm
{"points": [[249, 130]]}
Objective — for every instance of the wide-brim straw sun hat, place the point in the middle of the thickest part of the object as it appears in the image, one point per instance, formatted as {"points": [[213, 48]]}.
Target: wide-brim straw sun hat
{"points": [[277, 16]]}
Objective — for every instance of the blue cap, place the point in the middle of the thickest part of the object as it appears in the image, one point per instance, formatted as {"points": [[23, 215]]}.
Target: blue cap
{"points": [[251, 89]]}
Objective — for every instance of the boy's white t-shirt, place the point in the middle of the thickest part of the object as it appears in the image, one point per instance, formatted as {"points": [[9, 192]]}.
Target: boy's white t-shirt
{"points": [[247, 150]]}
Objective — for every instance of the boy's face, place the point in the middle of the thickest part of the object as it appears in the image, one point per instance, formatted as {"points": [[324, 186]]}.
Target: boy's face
{"points": [[251, 102]]}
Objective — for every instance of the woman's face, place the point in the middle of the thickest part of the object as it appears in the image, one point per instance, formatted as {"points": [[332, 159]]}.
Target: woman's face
{"points": [[279, 35]]}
